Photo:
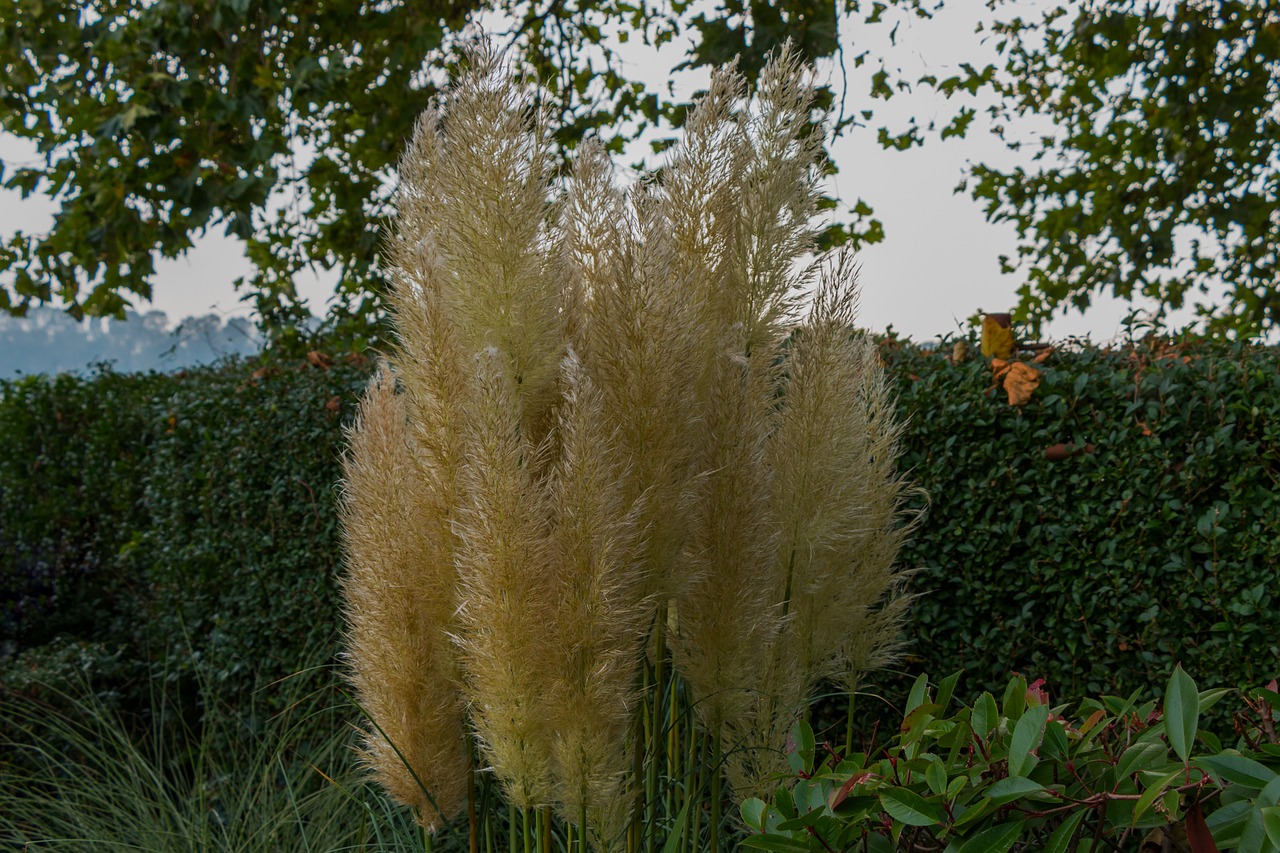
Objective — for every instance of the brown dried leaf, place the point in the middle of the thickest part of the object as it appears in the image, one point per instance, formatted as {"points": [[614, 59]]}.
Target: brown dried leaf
{"points": [[1021, 381]]}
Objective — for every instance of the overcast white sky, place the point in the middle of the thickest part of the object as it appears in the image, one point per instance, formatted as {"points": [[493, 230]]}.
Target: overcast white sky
{"points": [[937, 265]]}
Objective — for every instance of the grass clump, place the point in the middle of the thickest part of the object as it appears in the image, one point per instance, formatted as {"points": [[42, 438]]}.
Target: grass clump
{"points": [[76, 775], [624, 494]]}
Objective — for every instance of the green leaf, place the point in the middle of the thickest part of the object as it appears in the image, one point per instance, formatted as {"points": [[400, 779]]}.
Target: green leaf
{"points": [[1011, 788], [802, 737], [773, 842], [919, 692], [1271, 821], [1153, 792], [752, 810], [996, 839], [1270, 795], [1254, 838], [1181, 712], [936, 775], [910, 808], [1061, 837], [1026, 737], [985, 715], [947, 688], [1141, 756], [1238, 769], [677, 830], [1015, 698]]}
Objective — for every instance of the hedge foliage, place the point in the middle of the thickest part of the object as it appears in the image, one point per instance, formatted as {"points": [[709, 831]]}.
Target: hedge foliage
{"points": [[1123, 520], [202, 502]]}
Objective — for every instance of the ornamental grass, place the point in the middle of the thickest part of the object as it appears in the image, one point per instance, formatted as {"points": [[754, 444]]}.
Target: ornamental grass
{"points": [[623, 498]]}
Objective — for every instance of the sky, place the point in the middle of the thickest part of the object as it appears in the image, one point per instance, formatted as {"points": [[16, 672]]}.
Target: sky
{"points": [[938, 264]]}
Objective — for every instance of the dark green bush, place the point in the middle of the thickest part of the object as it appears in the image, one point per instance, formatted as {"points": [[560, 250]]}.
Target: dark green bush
{"points": [[1156, 540], [241, 553], [183, 519], [191, 516], [71, 481]]}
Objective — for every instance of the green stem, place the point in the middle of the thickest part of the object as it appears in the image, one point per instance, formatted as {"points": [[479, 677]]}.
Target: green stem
{"points": [[526, 815], [511, 828], [848, 728], [544, 829], [473, 844], [699, 765], [673, 746], [635, 831], [654, 742], [426, 839], [582, 828], [715, 790], [691, 790]]}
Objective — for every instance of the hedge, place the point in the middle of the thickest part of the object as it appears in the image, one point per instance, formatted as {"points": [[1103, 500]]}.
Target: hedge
{"points": [[1122, 520]]}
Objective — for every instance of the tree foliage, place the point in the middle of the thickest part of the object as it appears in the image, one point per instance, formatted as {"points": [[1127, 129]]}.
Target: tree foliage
{"points": [[279, 122], [1158, 176]]}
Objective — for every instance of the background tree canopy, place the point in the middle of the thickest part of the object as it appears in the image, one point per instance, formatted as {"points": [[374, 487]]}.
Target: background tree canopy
{"points": [[281, 123]]}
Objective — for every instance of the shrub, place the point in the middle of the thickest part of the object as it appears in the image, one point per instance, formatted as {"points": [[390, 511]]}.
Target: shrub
{"points": [[1155, 539], [1020, 774], [71, 483]]}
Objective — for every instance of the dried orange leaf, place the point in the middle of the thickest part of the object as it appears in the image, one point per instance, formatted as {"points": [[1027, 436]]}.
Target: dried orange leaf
{"points": [[1021, 382]]}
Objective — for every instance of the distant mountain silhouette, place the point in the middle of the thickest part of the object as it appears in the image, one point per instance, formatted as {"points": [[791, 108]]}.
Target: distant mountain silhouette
{"points": [[51, 341]]}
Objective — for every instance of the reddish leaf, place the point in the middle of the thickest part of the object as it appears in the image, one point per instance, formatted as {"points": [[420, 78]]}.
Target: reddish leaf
{"points": [[1198, 835], [856, 779]]}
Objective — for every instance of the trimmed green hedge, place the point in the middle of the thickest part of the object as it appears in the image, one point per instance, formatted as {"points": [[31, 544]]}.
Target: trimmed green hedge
{"points": [[1156, 540], [185, 519], [190, 517]]}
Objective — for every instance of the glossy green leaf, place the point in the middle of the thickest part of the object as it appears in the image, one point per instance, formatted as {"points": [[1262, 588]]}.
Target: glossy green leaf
{"points": [[910, 808], [1060, 840], [1026, 737], [985, 715], [996, 839], [1181, 712], [1011, 788], [777, 843], [1271, 822], [1238, 769], [1154, 791]]}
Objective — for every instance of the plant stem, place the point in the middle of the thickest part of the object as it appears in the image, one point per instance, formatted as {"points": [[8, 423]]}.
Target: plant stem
{"points": [[715, 790], [473, 843], [848, 728], [654, 741], [692, 792], [673, 746], [526, 816], [635, 831], [511, 828]]}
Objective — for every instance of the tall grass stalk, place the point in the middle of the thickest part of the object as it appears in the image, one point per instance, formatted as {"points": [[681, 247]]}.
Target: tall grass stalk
{"points": [[624, 495]]}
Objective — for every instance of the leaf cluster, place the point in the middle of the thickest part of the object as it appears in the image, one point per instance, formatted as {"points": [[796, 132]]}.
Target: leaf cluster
{"points": [[1022, 774], [1153, 540]]}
